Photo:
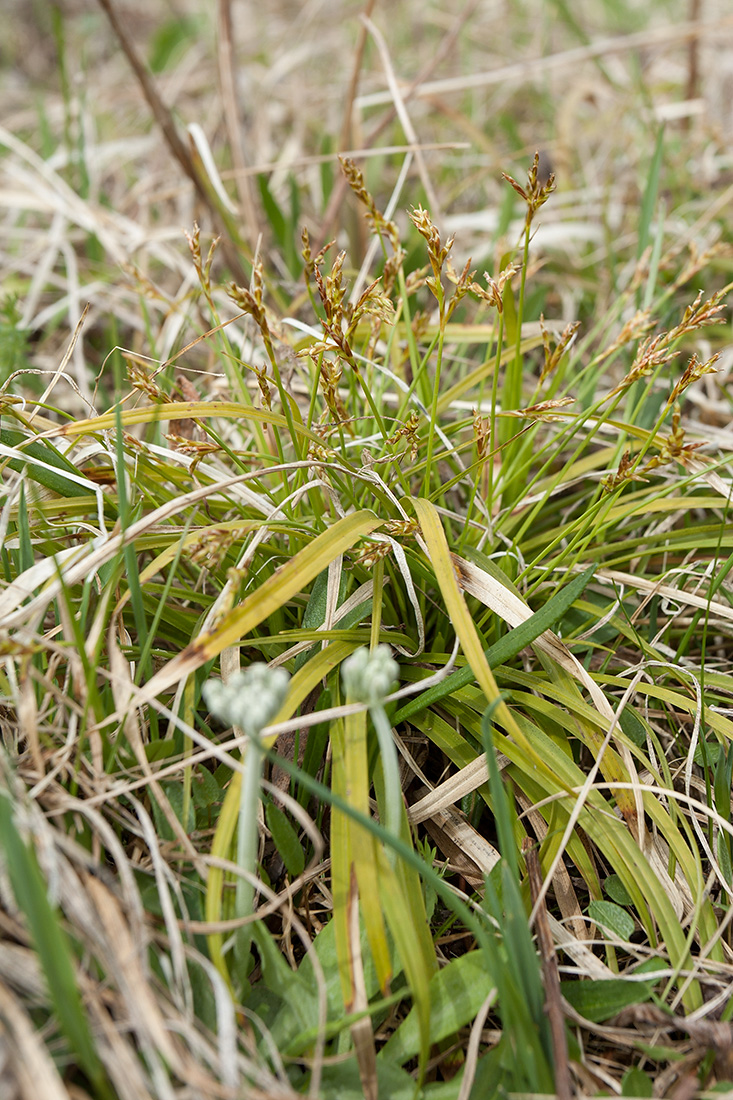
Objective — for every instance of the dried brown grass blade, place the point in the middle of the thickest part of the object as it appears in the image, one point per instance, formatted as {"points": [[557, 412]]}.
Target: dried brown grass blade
{"points": [[165, 121], [122, 959], [567, 60], [341, 187], [32, 1065], [228, 85]]}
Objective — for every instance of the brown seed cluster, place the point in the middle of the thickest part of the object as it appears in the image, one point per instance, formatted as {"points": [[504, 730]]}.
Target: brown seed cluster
{"points": [[537, 192]]}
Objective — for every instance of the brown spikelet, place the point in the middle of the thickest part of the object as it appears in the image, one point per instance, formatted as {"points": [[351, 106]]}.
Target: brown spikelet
{"points": [[537, 191]]}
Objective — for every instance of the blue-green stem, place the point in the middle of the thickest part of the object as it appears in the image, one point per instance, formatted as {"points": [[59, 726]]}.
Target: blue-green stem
{"points": [[490, 457], [512, 394], [247, 844], [390, 770], [436, 389]]}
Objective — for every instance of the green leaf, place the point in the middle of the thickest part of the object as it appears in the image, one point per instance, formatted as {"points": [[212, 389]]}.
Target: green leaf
{"points": [[314, 615], [521, 995], [724, 857], [456, 994], [286, 840], [26, 557], [38, 457], [708, 753], [170, 40], [507, 647], [650, 194], [315, 747], [499, 799], [342, 1082], [657, 1052], [174, 793], [51, 944], [160, 750], [290, 986], [722, 783], [632, 725], [205, 790], [636, 1083], [612, 917], [600, 1000], [273, 213], [14, 340], [410, 932], [324, 946], [616, 890]]}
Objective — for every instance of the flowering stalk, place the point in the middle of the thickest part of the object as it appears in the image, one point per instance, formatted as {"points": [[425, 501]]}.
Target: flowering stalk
{"points": [[367, 678], [250, 699], [493, 295], [437, 254], [251, 302], [535, 194]]}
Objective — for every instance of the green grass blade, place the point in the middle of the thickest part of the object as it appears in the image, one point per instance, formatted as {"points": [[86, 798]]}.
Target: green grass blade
{"points": [[651, 191], [507, 647], [52, 946]]}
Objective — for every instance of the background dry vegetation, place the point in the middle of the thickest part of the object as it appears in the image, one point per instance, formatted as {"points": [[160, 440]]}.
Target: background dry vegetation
{"points": [[521, 482]]}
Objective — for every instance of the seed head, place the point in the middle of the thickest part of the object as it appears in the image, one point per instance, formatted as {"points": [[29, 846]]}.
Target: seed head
{"points": [[368, 676], [374, 216], [626, 472], [536, 193], [142, 380], [482, 433], [374, 552], [203, 267], [554, 355], [493, 295], [437, 252], [700, 314], [250, 699], [694, 370], [250, 301]]}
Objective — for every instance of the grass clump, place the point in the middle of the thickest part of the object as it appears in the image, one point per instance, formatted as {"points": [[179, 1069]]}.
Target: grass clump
{"points": [[366, 657]]}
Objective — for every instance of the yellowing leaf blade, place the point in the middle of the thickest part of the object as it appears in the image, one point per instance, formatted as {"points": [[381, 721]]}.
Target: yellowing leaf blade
{"points": [[463, 625], [272, 594]]}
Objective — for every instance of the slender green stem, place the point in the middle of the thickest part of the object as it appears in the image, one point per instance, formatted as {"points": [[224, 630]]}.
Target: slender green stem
{"points": [[378, 588], [247, 844], [390, 770], [492, 451], [512, 392], [436, 392], [477, 921]]}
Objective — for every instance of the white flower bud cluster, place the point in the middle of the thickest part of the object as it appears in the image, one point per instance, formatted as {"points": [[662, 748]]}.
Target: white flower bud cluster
{"points": [[251, 698], [368, 676]]}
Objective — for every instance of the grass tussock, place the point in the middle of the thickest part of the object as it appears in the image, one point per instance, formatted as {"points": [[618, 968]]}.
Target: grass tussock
{"points": [[365, 612]]}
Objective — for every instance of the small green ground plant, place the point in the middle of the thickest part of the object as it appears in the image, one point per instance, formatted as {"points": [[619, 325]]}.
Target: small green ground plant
{"points": [[366, 661]]}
